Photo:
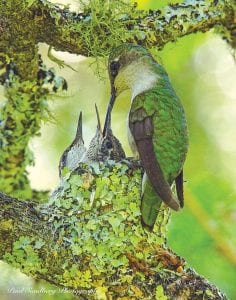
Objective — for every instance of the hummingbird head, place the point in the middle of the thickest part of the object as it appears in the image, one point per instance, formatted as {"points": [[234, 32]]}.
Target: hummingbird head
{"points": [[74, 153], [95, 144], [111, 147], [122, 56], [104, 145], [130, 67]]}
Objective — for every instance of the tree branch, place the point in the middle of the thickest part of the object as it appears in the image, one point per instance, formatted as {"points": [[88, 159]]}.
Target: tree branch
{"points": [[149, 28], [108, 23], [88, 237]]}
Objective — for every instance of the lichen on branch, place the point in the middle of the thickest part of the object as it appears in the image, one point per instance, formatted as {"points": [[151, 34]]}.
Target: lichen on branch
{"points": [[20, 120], [89, 238], [102, 24], [110, 23]]}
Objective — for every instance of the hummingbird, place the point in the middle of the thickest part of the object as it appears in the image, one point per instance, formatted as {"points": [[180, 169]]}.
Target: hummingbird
{"points": [[95, 144], [157, 127], [104, 145], [73, 154], [111, 147]]}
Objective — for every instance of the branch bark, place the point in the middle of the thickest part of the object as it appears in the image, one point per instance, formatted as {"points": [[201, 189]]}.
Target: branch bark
{"points": [[153, 28], [108, 25], [88, 238]]}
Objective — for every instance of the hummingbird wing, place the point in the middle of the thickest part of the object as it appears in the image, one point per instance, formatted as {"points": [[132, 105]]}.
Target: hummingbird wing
{"points": [[141, 128], [179, 184]]}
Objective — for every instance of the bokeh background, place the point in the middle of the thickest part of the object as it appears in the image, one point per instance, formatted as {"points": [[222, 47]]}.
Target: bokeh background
{"points": [[203, 72]]}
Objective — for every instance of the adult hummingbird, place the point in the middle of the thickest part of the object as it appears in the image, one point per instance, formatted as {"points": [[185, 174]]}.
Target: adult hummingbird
{"points": [[73, 154], [157, 129]]}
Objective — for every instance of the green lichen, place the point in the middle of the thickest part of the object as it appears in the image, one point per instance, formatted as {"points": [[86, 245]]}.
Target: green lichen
{"points": [[6, 225], [160, 293], [105, 198], [25, 255], [88, 238], [20, 119], [76, 278]]}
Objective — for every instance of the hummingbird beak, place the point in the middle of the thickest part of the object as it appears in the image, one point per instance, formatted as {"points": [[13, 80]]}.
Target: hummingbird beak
{"points": [[107, 125], [79, 133], [99, 128]]}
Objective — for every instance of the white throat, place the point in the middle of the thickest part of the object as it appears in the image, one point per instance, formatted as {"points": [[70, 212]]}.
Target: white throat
{"points": [[145, 80], [137, 77]]}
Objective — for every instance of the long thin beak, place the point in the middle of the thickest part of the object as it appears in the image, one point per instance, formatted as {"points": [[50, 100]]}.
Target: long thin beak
{"points": [[107, 124], [99, 128], [79, 132]]}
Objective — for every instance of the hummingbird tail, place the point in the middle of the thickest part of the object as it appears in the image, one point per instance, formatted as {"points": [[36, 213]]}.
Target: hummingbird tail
{"points": [[150, 205]]}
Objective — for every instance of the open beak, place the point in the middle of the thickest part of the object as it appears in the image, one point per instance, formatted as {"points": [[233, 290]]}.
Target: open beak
{"points": [[107, 124]]}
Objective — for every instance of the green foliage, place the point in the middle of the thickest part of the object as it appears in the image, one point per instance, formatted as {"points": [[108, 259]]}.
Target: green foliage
{"points": [[200, 250], [205, 174], [20, 119], [25, 255]]}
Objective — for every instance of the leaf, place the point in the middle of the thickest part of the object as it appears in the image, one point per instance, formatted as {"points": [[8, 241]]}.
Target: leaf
{"points": [[22, 242], [39, 244], [160, 293], [66, 203]]}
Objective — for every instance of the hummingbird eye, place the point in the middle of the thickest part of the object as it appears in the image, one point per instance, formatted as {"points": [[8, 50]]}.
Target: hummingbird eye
{"points": [[114, 67]]}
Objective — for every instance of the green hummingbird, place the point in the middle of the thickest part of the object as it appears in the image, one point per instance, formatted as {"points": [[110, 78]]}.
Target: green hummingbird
{"points": [[157, 128]]}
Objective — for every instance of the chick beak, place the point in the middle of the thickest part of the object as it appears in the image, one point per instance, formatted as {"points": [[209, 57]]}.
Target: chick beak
{"points": [[99, 128], [79, 132]]}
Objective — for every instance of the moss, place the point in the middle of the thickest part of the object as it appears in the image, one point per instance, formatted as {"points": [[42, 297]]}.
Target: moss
{"points": [[18, 40], [103, 20], [103, 24], [20, 119]]}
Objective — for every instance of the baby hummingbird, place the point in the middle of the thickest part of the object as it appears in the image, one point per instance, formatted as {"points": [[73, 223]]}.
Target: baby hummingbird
{"points": [[111, 147], [104, 145], [73, 154], [95, 144]]}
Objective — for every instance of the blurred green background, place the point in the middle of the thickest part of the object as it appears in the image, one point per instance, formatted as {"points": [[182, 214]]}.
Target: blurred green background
{"points": [[203, 73]]}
